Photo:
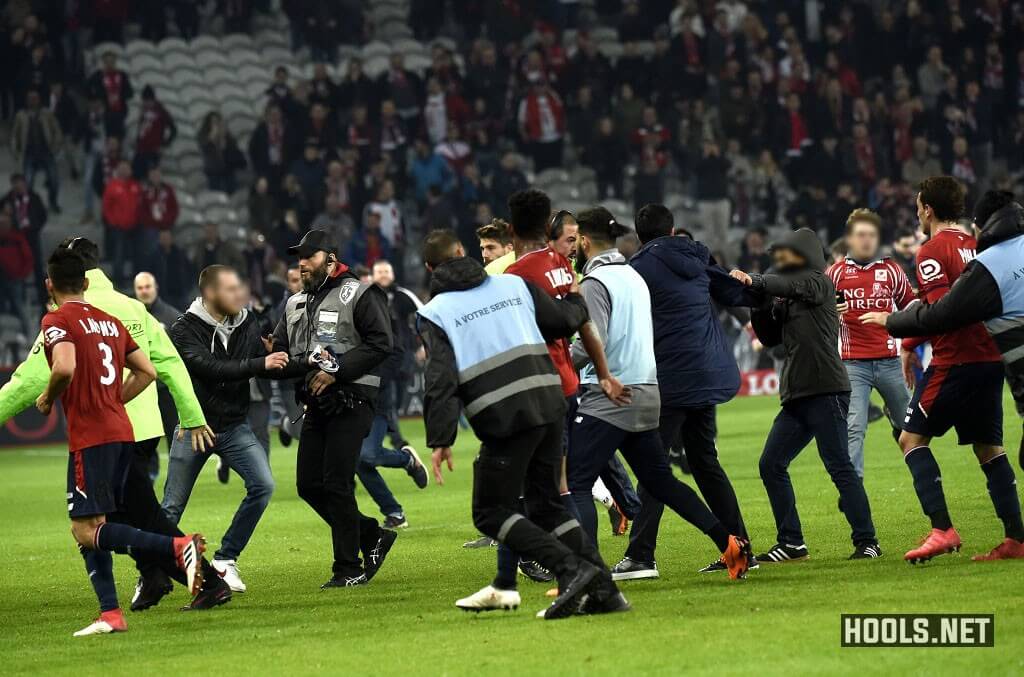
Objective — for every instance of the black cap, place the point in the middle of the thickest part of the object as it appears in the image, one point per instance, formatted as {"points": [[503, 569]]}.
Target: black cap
{"points": [[312, 242]]}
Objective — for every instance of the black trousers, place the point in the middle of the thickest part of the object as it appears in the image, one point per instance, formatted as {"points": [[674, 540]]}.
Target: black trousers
{"points": [[528, 464], [325, 474], [697, 429]]}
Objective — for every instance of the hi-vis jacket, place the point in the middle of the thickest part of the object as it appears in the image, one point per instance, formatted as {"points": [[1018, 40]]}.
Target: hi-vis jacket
{"points": [[30, 378], [486, 349]]}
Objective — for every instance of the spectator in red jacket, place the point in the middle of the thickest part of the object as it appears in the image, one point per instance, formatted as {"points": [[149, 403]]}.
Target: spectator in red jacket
{"points": [[158, 209], [541, 119], [156, 130], [121, 200], [15, 269]]}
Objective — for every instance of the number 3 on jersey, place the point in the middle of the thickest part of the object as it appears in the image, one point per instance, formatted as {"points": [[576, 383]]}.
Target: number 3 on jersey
{"points": [[109, 374]]}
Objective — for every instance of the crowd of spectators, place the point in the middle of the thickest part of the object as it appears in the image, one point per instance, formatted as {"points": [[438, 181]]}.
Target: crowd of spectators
{"points": [[752, 116]]}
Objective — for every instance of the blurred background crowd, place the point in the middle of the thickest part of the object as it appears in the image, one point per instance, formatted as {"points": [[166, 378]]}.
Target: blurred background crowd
{"points": [[188, 132]]}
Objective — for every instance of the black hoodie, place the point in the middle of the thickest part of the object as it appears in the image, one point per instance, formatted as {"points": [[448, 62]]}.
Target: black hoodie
{"points": [[800, 313], [441, 403]]}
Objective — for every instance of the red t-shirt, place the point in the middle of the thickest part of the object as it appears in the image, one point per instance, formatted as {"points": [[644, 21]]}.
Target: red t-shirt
{"points": [[92, 401], [940, 261], [553, 273], [879, 286]]}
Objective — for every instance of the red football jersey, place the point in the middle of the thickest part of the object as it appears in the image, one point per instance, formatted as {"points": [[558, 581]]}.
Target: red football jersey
{"points": [[553, 273], [878, 286], [939, 263], [92, 401]]}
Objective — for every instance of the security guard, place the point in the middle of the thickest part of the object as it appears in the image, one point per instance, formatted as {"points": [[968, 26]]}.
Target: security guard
{"points": [[485, 338], [336, 332]]}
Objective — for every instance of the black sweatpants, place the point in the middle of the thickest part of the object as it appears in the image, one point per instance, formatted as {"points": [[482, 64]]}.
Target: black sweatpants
{"points": [[592, 443], [528, 464], [325, 474], [697, 428]]}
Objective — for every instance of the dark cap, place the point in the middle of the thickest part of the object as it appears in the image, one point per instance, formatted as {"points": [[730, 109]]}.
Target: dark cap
{"points": [[312, 242]]}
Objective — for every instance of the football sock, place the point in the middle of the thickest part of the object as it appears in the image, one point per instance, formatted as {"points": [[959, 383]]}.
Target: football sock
{"points": [[508, 561], [122, 539], [1002, 488], [720, 535], [928, 485], [100, 567]]}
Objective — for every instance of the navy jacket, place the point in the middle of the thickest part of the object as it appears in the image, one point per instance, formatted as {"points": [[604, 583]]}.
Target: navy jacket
{"points": [[696, 366]]}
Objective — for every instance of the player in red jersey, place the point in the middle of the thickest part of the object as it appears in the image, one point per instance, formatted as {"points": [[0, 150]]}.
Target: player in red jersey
{"points": [[88, 350], [962, 387], [868, 283]]}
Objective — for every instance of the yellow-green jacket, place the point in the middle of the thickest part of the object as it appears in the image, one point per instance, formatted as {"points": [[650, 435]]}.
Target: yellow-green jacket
{"points": [[30, 378]]}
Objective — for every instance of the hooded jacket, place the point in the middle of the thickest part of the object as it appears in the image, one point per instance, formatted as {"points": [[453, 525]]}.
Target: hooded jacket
{"points": [[696, 366], [976, 297], [799, 312], [444, 395], [221, 357]]}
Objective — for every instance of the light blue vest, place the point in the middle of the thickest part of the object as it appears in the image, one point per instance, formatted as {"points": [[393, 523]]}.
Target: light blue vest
{"points": [[629, 345], [1005, 262], [487, 325]]}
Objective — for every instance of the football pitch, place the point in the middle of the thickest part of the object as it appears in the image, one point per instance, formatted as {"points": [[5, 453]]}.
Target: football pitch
{"points": [[783, 619]]}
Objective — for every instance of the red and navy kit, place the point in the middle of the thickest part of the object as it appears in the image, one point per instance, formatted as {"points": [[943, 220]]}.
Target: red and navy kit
{"points": [[92, 401], [962, 387], [553, 273], [940, 261], [878, 286]]}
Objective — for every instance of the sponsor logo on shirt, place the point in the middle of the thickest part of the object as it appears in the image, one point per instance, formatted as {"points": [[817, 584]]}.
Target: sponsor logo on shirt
{"points": [[929, 270], [53, 335]]}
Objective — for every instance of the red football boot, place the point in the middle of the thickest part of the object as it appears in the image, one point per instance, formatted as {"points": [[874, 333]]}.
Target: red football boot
{"points": [[938, 542], [1008, 549], [109, 621], [188, 553]]}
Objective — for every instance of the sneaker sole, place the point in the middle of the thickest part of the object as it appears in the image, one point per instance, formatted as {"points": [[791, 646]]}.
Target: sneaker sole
{"points": [[792, 560], [926, 558], [419, 463], [634, 575], [481, 609]]}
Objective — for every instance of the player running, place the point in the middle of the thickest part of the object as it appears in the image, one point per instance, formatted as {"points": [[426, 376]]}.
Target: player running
{"points": [[962, 387], [869, 282], [87, 350]]}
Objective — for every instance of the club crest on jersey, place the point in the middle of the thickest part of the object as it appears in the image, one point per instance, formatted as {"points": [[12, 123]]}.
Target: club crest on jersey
{"points": [[930, 270], [348, 291], [881, 275], [54, 334]]}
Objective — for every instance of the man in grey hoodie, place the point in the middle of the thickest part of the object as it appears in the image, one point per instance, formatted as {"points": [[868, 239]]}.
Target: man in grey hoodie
{"points": [[219, 341]]}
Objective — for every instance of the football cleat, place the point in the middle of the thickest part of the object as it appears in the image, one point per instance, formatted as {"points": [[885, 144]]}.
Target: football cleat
{"points": [[736, 556], [490, 599], [937, 542], [188, 553], [573, 593], [1008, 549], [228, 570], [345, 582], [535, 572], [482, 542], [214, 593], [631, 570], [780, 553], [108, 622], [396, 521], [149, 590]]}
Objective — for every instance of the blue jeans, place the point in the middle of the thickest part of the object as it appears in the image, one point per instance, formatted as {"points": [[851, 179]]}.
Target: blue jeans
{"points": [[821, 418], [374, 454], [885, 376], [242, 452]]}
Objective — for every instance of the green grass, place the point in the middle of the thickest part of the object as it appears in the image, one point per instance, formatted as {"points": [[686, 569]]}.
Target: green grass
{"points": [[781, 620]]}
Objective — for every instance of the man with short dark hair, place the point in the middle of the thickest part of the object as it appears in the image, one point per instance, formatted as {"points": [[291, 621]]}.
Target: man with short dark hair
{"points": [[220, 343], [495, 240], [868, 283], [963, 385]]}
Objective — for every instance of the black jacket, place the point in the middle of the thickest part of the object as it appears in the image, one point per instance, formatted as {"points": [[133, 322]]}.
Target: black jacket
{"points": [[555, 318], [974, 297], [799, 313], [221, 377], [372, 321]]}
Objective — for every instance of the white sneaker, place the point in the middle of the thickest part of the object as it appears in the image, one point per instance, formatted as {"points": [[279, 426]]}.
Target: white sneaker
{"points": [[490, 599], [228, 570]]}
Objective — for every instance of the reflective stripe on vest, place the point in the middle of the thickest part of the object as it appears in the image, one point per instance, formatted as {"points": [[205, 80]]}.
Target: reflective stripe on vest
{"points": [[490, 327]]}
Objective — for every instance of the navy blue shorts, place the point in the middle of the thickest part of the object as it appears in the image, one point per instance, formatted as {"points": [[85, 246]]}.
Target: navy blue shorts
{"points": [[968, 397], [96, 478]]}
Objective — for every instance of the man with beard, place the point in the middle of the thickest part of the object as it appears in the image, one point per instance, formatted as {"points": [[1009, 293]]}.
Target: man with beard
{"points": [[336, 332]]}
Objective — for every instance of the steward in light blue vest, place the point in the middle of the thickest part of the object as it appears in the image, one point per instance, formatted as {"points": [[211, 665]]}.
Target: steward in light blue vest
{"points": [[486, 340], [990, 290]]}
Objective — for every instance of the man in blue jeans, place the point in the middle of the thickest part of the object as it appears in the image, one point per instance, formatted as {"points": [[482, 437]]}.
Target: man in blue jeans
{"points": [[869, 283], [375, 455], [220, 343], [799, 312]]}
